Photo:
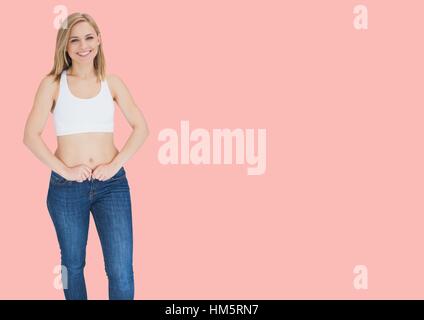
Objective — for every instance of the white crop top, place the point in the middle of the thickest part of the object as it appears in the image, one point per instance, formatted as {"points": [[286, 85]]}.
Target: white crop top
{"points": [[77, 115]]}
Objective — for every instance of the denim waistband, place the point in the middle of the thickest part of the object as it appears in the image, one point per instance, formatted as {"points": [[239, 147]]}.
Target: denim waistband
{"points": [[121, 172]]}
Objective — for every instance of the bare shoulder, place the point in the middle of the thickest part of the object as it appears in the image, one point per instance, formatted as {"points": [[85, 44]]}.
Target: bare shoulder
{"points": [[49, 87], [113, 77], [114, 80], [48, 82], [115, 84]]}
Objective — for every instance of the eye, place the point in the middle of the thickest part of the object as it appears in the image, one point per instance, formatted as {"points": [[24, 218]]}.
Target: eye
{"points": [[74, 40], [90, 37]]}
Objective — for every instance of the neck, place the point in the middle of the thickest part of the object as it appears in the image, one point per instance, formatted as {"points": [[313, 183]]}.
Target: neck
{"points": [[82, 71]]}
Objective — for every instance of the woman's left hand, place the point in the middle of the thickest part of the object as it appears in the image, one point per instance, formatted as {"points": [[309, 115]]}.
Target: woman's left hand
{"points": [[104, 171]]}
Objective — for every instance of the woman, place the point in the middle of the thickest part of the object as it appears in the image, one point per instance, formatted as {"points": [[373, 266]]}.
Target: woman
{"points": [[87, 169]]}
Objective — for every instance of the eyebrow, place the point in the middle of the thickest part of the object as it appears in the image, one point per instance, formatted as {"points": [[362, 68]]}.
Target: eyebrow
{"points": [[88, 34]]}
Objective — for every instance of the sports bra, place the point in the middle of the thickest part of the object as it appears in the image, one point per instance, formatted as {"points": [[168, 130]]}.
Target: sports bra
{"points": [[77, 115]]}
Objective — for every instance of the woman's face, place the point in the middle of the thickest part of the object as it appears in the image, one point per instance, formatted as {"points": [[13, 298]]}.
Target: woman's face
{"points": [[83, 43]]}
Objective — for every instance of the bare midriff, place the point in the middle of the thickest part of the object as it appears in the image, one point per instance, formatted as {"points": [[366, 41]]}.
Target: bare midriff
{"points": [[91, 149]]}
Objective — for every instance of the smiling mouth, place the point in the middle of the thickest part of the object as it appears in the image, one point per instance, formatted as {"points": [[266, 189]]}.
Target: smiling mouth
{"points": [[84, 54]]}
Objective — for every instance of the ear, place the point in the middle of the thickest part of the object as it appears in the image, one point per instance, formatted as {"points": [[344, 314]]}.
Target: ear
{"points": [[99, 38]]}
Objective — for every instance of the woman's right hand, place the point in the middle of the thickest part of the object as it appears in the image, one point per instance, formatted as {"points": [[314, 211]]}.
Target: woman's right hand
{"points": [[78, 173]]}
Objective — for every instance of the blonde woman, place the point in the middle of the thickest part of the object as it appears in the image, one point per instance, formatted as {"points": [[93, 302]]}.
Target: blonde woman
{"points": [[87, 173]]}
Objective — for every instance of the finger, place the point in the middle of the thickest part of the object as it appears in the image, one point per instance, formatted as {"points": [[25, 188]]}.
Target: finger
{"points": [[87, 170], [90, 173], [85, 174], [100, 176], [84, 169]]}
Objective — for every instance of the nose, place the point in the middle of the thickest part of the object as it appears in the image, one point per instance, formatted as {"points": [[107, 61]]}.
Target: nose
{"points": [[83, 45]]}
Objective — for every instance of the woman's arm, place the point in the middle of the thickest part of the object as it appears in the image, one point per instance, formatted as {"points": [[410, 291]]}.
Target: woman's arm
{"points": [[134, 117], [35, 124]]}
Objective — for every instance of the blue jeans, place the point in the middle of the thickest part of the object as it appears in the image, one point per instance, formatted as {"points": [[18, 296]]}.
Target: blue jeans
{"points": [[69, 204]]}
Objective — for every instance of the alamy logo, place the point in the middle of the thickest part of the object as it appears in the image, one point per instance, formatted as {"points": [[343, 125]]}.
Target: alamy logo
{"points": [[61, 280], [60, 20], [177, 148], [360, 281], [360, 21]]}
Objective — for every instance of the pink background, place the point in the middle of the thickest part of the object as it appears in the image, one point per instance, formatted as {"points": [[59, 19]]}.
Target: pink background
{"points": [[344, 116]]}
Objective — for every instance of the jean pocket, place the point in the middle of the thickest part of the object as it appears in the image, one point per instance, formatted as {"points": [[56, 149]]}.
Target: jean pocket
{"points": [[119, 175], [57, 179]]}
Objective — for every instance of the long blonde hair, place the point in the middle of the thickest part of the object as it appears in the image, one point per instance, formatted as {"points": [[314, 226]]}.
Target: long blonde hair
{"points": [[62, 60]]}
